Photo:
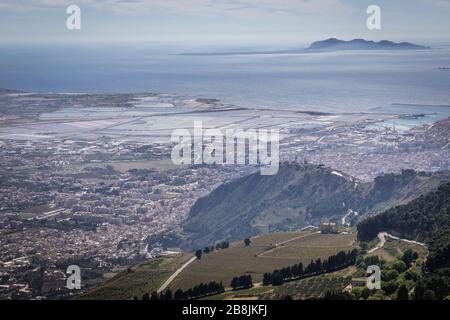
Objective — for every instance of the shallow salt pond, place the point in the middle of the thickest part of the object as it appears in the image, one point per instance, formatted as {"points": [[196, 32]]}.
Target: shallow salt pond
{"points": [[410, 116]]}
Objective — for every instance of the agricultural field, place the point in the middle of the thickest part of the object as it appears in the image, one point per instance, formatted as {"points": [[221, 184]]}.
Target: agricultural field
{"points": [[254, 293], [265, 254], [138, 280], [394, 249], [312, 247], [312, 288], [309, 288]]}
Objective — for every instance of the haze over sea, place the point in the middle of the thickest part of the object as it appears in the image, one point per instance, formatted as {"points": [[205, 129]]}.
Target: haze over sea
{"points": [[354, 81]]}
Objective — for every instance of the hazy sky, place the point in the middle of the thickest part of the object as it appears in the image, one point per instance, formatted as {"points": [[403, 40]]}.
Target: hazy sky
{"points": [[268, 22]]}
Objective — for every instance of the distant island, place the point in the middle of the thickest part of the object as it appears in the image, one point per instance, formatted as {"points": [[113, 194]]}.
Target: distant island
{"points": [[331, 44], [334, 44]]}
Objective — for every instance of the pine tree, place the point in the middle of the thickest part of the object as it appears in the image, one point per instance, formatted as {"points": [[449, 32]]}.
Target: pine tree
{"points": [[179, 294], [168, 295], [402, 293], [154, 296], [266, 279], [235, 283]]}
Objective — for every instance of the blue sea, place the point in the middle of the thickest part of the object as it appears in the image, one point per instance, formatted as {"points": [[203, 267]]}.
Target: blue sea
{"points": [[356, 81]]}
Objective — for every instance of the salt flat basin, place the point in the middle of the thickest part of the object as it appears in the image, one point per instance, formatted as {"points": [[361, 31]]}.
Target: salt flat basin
{"points": [[410, 116]]}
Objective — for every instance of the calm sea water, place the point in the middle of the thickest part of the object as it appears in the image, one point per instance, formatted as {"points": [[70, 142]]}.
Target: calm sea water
{"points": [[334, 82]]}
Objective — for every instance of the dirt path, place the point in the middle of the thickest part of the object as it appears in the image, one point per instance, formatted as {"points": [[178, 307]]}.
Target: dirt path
{"points": [[175, 274], [280, 244], [406, 240], [382, 236]]}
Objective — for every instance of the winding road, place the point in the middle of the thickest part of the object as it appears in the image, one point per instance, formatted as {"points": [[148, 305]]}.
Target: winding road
{"points": [[382, 236]]}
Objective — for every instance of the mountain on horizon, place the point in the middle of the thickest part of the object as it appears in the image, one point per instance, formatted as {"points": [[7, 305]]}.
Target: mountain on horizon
{"points": [[334, 44], [331, 44]]}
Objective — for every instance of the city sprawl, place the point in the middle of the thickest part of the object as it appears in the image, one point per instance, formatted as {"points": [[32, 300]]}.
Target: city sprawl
{"points": [[87, 179]]}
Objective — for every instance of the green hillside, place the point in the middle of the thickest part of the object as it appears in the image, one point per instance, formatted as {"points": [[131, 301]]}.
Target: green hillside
{"points": [[265, 254], [137, 280], [425, 219]]}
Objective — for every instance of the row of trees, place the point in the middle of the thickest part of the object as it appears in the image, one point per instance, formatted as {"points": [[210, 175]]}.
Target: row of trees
{"points": [[242, 282], [206, 250], [332, 263], [200, 290], [155, 296]]}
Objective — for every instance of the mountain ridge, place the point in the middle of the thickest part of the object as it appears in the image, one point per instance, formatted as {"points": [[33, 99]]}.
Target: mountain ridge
{"points": [[333, 44], [299, 195]]}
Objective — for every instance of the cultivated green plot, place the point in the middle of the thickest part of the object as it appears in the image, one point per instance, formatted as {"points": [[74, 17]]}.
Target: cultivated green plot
{"points": [[265, 254]]}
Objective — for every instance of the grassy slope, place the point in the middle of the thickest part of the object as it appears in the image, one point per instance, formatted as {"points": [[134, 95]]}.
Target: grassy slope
{"points": [[315, 287], [143, 278], [394, 249], [239, 260], [256, 259]]}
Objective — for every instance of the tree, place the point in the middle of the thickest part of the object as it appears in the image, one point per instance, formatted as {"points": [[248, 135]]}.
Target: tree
{"points": [[419, 291], [333, 295], [412, 274], [154, 296], [179, 294], [266, 279], [247, 242], [409, 256], [377, 296], [246, 281], [365, 293], [428, 295], [400, 266], [389, 287], [277, 278], [363, 245], [234, 283], [198, 254], [402, 293], [294, 270], [168, 295], [286, 273], [318, 265], [310, 267], [390, 275], [300, 269]]}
